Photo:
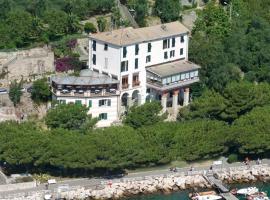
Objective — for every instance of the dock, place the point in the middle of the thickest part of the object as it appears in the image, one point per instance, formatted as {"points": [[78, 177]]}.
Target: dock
{"points": [[224, 191]]}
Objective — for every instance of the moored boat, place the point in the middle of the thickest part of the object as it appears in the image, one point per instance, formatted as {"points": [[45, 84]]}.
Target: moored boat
{"points": [[210, 195], [258, 196], [248, 191]]}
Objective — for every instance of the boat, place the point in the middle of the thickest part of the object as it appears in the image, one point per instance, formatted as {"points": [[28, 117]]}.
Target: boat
{"points": [[258, 196], [210, 195], [248, 191]]}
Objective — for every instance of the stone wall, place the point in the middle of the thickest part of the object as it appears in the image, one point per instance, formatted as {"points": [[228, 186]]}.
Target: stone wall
{"points": [[25, 64]]}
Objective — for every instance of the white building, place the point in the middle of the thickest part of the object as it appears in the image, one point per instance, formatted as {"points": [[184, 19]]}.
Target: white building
{"points": [[149, 63]]}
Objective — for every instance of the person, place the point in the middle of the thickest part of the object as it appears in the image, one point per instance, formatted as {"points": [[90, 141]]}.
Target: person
{"points": [[46, 186]]}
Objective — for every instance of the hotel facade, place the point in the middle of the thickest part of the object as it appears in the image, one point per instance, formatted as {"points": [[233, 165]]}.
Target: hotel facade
{"points": [[131, 66]]}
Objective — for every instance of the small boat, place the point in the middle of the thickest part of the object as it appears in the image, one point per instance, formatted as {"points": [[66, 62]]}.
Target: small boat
{"points": [[210, 195], [258, 196], [248, 191]]}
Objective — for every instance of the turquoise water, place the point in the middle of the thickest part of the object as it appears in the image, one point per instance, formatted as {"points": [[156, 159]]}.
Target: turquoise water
{"points": [[265, 187]]}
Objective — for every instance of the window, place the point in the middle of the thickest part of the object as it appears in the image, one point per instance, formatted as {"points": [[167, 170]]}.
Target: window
{"points": [[166, 44], [124, 66], [148, 59], [125, 82], [104, 102], [62, 102], [94, 45], [136, 49], [182, 39], [135, 80], [165, 55], [183, 76], [172, 53], [105, 47], [136, 63], [103, 116], [187, 75], [90, 103], [149, 47], [173, 42], [78, 102], [124, 52], [94, 59], [169, 80], [106, 63], [164, 82], [181, 51]]}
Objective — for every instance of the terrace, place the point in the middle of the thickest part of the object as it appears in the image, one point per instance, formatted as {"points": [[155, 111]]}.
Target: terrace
{"points": [[89, 84]]}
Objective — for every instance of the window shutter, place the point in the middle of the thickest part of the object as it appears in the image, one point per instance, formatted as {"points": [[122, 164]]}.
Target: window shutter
{"points": [[90, 104], [99, 103], [105, 116], [109, 102]]}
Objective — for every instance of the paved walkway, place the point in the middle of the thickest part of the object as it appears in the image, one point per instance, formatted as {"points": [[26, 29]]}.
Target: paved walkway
{"points": [[98, 182]]}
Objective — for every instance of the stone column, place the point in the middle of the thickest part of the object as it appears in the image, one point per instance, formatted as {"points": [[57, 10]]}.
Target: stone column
{"points": [[129, 101], [186, 96], [139, 99], [175, 100], [164, 101]]}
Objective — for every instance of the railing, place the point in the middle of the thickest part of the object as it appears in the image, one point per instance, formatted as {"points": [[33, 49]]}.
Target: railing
{"points": [[136, 83], [85, 93], [125, 86]]}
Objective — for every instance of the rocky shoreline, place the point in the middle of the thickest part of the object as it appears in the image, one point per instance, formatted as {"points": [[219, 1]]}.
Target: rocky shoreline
{"points": [[125, 187]]}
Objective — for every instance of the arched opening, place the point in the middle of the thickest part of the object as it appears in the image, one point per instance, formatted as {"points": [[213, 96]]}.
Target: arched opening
{"points": [[135, 97], [124, 99]]}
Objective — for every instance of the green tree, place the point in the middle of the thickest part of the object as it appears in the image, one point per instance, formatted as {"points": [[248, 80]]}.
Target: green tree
{"points": [[240, 98], [73, 25], [141, 10], [167, 10], [19, 23], [67, 116], [210, 105], [251, 132], [212, 21], [144, 115], [37, 7], [15, 92], [102, 22], [56, 28], [90, 28], [41, 92]]}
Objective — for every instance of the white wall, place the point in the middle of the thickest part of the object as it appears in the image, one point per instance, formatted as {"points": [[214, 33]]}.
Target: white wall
{"points": [[112, 55], [95, 110], [115, 57]]}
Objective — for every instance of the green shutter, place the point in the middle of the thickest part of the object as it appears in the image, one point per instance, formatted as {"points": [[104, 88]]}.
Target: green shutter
{"points": [[90, 103], [78, 102], [105, 116]]}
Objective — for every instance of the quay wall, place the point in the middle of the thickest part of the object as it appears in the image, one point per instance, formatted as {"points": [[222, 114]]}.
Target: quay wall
{"points": [[125, 187]]}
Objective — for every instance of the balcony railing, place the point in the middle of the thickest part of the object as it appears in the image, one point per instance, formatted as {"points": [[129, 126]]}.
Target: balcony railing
{"points": [[136, 83], [159, 86], [125, 86], [85, 93]]}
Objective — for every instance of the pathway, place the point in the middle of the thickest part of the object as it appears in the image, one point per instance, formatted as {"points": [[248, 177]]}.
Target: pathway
{"points": [[97, 182]]}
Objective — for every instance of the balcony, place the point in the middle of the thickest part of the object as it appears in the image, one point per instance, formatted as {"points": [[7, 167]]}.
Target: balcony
{"points": [[125, 86], [162, 87], [95, 92], [136, 83]]}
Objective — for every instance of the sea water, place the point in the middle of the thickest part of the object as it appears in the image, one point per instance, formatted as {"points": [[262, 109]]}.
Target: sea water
{"points": [[183, 195]]}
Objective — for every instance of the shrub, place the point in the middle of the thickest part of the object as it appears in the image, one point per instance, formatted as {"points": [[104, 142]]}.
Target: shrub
{"points": [[232, 158], [90, 28]]}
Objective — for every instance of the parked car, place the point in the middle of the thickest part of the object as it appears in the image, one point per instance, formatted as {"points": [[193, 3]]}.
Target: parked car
{"points": [[3, 91]]}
